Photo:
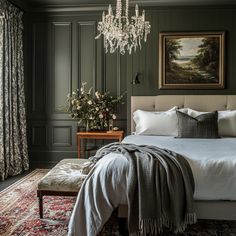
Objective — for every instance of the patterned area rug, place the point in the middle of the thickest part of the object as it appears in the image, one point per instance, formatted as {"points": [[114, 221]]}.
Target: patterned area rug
{"points": [[19, 209], [19, 214]]}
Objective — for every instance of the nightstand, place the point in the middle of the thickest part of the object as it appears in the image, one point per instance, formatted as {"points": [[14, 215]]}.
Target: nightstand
{"points": [[101, 135]]}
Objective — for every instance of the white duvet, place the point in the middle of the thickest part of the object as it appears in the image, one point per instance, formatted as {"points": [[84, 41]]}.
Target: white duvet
{"points": [[213, 163]]}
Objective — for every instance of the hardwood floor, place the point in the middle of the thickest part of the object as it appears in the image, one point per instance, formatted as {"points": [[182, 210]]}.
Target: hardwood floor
{"points": [[6, 183]]}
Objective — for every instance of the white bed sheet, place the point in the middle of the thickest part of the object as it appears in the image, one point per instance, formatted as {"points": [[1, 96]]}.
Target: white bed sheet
{"points": [[213, 162]]}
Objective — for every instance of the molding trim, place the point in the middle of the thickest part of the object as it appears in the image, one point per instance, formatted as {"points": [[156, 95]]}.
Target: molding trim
{"points": [[34, 74], [118, 72], [79, 25], [34, 136], [103, 6], [20, 4], [183, 2], [70, 8], [68, 142], [56, 110]]}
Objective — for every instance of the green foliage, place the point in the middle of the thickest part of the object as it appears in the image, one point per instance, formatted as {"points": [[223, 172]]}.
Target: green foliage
{"points": [[208, 56], [172, 51], [94, 110]]}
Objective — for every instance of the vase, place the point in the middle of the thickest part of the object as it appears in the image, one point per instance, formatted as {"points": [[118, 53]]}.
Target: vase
{"points": [[87, 127], [111, 123]]}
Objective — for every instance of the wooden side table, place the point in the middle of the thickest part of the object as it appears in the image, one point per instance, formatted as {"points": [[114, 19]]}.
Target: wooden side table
{"points": [[115, 135]]}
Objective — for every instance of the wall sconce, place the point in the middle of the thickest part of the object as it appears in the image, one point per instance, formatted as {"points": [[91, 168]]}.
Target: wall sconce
{"points": [[136, 79]]}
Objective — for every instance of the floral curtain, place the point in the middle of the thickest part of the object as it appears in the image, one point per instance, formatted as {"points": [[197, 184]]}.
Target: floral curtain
{"points": [[13, 141]]}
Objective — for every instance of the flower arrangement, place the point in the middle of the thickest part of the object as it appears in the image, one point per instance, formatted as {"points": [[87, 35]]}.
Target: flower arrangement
{"points": [[94, 111]]}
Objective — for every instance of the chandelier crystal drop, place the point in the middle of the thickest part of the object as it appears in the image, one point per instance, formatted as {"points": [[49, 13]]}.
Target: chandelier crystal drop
{"points": [[120, 32]]}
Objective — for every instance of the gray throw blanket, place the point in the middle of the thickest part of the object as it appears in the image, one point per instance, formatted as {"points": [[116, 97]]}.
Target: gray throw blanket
{"points": [[159, 189]]}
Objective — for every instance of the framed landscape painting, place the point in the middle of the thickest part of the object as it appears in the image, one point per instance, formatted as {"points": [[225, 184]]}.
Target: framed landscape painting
{"points": [[191, 60]]}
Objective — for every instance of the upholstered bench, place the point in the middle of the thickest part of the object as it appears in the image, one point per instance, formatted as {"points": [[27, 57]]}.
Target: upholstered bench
{"points": [[65, 179]]}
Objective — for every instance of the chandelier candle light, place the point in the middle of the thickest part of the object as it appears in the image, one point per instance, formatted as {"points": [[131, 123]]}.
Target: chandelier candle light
{"points": [[120, 32]]}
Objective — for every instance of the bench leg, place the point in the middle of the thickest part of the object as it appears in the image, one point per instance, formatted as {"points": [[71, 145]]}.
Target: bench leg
{"points": [[40, 196]]}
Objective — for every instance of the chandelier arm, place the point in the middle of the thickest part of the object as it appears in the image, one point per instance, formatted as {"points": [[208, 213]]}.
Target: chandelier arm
{"points": [[120, 19], [118, 9], [127, 11]]}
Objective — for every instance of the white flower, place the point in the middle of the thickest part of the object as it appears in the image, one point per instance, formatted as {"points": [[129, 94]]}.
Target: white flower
{"points": [[78, 107], [74, 93], [107, 109], [97, 109], [100, 115], [97, 94], [73, 102], [90, 90], [90, 102], [113, 116]]}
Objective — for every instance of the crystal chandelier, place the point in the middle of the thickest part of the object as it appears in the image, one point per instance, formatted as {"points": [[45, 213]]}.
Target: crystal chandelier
{"points": [[120, 32]]}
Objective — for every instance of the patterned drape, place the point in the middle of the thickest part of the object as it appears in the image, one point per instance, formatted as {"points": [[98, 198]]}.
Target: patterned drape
{"points": [[13, 142]]}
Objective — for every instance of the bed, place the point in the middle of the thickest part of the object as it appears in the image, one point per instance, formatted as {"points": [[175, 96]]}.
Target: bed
{"points": [[212, 201], [216, 209]]}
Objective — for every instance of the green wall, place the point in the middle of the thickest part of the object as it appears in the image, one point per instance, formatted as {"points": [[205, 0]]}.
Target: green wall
{"points": [[62, 52]]}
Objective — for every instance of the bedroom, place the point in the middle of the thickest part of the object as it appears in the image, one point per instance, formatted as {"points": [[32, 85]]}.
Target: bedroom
{"points": [[60, 52]]}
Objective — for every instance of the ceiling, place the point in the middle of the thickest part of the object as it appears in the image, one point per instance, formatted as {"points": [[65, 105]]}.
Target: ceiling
{"points": [[68, 2], [28, 4], [141, 2]]}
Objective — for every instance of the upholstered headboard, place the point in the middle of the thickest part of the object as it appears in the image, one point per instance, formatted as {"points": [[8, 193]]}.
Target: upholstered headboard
{"points": [[196, 102]]}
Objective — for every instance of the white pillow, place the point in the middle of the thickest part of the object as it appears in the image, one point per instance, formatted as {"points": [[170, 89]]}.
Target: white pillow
{"points": [[226, 121], [156, 123], [194, 113]]}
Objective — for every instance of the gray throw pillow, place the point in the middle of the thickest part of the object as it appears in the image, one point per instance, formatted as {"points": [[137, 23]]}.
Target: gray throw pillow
{"points": [[202, 126]]}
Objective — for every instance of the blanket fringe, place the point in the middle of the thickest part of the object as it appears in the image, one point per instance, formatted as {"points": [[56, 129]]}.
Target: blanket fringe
{"points": [[155, 226], [190, 218]]}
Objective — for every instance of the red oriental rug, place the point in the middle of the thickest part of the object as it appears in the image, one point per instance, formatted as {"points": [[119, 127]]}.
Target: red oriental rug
{"points": [[20, 214]]}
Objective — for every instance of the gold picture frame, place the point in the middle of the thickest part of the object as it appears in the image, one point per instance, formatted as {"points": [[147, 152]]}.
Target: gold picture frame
{"points": [[192, 60]]}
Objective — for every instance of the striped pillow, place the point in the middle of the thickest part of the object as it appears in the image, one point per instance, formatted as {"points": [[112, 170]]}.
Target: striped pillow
{"points": [[202, 126]]}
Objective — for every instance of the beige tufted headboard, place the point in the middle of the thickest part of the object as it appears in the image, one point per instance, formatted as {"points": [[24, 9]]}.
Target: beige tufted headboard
{"points": [[196, 102]]}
